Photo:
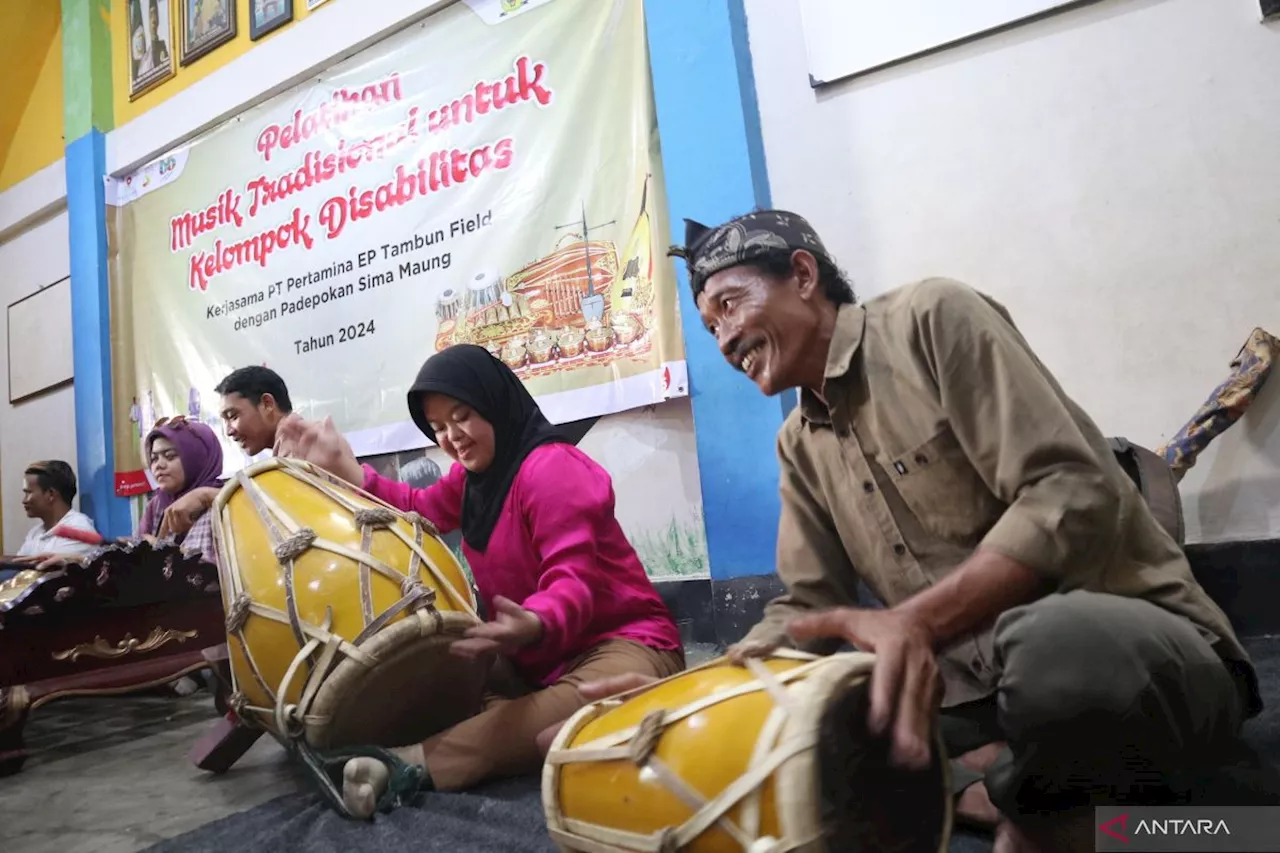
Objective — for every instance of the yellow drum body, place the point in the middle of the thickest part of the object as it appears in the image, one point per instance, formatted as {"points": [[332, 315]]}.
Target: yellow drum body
{"points": [[340, 610], [718, 759]]}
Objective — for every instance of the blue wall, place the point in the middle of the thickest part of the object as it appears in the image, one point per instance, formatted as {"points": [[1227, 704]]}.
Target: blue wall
{"points": [[713, 156], [91, 333]]}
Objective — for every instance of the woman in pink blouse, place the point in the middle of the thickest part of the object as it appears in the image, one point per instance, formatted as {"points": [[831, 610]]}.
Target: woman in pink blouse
{"points": [[568, 599]]}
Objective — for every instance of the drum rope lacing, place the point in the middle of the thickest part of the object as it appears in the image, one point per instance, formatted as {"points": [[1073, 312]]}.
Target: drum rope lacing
{"points": [[289, 541], [322, 483], [637, 744], [288, 548]]}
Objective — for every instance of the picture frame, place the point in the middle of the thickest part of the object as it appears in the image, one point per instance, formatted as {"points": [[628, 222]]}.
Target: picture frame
{"points": [[149, 50], [266, 16], [315, 4], [206, 25]]}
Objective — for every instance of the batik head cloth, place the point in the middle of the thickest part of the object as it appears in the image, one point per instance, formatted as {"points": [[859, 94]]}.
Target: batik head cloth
{"points": [[708, 251]]}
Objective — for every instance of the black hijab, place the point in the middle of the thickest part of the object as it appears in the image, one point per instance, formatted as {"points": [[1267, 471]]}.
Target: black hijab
{"points": [[473, 376]]}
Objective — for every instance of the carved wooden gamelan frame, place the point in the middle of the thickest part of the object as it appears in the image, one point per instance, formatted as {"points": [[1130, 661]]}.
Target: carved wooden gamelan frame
{"points": [[134, 617]]}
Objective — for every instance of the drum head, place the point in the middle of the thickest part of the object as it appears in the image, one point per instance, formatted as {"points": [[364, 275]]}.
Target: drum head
{"points": [[866, 803], [416, 690]]}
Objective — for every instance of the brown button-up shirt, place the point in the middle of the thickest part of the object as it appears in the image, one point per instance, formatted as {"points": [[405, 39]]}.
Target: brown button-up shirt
{"points": [[941, 431]]}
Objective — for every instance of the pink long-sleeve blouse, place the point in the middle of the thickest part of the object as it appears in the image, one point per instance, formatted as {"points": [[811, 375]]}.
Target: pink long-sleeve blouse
{"points": [[556, 550]]}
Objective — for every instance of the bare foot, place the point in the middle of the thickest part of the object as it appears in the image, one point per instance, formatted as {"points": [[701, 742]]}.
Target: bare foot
{"points": [[974, 804], [975, 807], [981, 759], [364, 780]]}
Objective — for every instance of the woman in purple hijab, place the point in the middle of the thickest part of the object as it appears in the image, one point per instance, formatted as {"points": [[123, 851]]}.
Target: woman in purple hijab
{"points": [[182, 455]]}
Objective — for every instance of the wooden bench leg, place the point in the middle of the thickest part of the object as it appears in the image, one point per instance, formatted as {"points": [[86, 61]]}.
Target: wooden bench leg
{"points": [[220, 665], [14, 709], [223, 745]]}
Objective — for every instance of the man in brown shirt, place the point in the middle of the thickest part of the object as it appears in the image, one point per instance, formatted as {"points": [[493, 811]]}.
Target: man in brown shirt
{"points": [[1029, 590]]}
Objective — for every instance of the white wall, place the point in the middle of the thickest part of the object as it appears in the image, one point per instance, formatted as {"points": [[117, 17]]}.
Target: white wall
{"points": [[1110, 174], [32, 256]]}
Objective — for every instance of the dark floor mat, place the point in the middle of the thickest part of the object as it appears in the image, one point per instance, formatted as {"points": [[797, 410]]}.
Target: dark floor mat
{"points": [[507, 817]]}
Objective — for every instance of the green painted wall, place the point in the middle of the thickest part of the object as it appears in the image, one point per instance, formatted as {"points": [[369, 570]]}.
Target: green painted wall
{"points": [[86, 67]]}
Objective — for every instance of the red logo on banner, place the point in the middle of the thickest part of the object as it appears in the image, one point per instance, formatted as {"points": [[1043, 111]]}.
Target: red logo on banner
{"points": [[130, 483]]}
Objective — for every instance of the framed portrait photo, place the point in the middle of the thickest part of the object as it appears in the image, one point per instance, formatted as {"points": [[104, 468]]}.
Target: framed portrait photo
{"points": [[268, 15], [151, 56], [206, 24]]}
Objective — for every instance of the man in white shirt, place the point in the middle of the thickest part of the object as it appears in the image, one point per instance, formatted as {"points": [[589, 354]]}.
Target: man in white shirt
{"points": [[47, 492]]}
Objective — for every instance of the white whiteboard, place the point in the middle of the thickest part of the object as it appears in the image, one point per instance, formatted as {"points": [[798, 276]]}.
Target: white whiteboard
{"points": [[40, 354], [849, 37]]}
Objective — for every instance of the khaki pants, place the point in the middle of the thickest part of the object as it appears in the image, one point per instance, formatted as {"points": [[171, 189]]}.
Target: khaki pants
{"points": [[1102, 700], [502, 739]]}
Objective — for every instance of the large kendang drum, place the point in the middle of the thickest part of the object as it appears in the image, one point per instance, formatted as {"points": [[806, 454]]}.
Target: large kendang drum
{"points": [[340, 612], [774, 756]]}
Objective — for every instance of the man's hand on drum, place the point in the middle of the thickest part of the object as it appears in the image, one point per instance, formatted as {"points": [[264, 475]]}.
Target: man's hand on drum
{"points": [[319, 443], [45, 562], [906, 686], [740, 651], [511, 629]]}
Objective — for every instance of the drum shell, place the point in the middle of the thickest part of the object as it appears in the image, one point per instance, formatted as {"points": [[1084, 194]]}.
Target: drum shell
{"points": [[326, 587], [709, 751]]}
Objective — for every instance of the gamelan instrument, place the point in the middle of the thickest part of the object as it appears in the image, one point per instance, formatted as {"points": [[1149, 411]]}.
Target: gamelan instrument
{"points": [[340, 612], [768, 757]]}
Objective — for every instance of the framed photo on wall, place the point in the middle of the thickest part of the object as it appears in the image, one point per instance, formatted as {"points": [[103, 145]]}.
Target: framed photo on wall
{"points": [[314, 4], [206, 24], [268, 15], [151, 57]]}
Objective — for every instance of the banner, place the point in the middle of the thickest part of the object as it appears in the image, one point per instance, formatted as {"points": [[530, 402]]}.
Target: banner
{"points": [[477, 178]]}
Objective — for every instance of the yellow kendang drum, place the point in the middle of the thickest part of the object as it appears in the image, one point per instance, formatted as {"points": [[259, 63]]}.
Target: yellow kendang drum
{"points": [[340, 611], [774, 756]]}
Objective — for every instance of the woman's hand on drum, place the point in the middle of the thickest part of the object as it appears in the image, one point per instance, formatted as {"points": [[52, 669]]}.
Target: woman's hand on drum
{"points": [[905, 684], [511, 629], [319, 443]]}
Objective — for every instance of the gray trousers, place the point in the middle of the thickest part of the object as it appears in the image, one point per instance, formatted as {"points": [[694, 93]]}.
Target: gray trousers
{"points": [[1102, 700]]}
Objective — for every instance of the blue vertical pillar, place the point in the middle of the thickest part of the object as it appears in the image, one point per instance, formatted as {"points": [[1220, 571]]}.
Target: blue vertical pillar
{"points": [[91, 333], [713, 156], [87, 115]]}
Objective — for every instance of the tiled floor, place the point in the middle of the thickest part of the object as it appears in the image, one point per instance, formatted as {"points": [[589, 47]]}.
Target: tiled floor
{"points": [[111, 776]]}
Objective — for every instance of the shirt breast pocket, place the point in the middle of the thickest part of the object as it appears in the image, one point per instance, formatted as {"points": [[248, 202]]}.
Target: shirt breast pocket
{"points": [[944, 491]]}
